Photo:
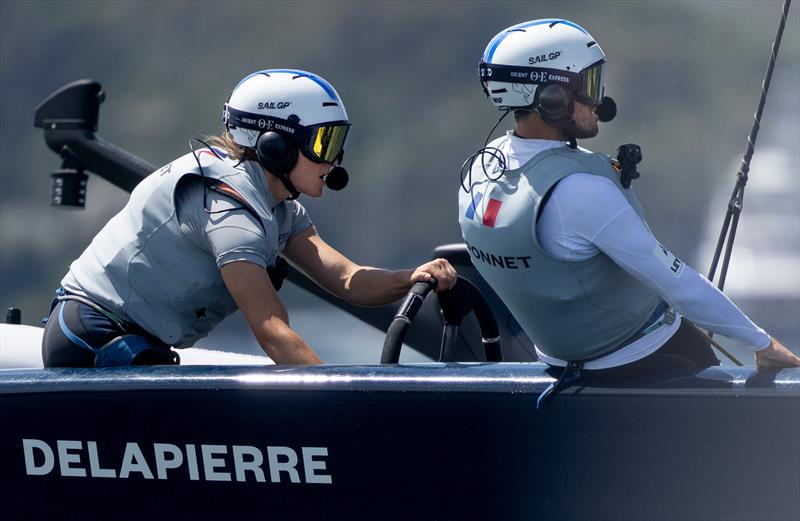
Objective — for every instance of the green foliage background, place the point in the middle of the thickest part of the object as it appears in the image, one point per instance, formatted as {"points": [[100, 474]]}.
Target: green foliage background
{"points": [[686, 76]]}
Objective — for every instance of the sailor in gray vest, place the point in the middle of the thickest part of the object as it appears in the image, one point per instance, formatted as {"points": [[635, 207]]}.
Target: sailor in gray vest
{"points": [[558, 233], [198, 236]]}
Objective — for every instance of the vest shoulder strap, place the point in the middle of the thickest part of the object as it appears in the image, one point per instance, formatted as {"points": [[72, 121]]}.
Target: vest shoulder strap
{"points": [[225, 189]]}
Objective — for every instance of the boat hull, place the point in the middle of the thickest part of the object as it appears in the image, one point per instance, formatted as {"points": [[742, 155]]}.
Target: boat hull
{"points": [[456, 441]]}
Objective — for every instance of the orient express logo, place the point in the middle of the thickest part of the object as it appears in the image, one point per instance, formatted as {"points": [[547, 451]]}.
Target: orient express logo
{"points": [[547, 77], [539, 76], [283, 128]]}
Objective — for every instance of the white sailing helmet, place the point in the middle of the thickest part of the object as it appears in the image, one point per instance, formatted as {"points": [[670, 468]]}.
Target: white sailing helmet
{"points": [[299, 105], [524, 57]]}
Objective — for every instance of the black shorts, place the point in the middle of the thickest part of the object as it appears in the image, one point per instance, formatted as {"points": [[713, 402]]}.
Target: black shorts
{"points": [[686, 349], [78, 335]]}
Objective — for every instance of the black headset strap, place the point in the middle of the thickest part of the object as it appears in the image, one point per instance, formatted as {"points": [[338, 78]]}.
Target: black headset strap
{"points": [[279, 167], [560, 121], [557, 120]]}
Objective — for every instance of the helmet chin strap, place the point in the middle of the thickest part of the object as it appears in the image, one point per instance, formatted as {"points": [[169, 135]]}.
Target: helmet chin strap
{"points": [[287, 183]]}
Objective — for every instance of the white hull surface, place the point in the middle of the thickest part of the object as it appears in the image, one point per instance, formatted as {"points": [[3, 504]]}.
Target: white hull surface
{"points": [[21, 348]]}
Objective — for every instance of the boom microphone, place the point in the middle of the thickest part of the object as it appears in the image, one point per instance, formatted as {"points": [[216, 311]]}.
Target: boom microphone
{"points": [[337, 178], [607, 109]]}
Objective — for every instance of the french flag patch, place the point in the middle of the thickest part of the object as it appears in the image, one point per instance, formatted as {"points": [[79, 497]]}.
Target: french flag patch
{"points": [[489, 213]]}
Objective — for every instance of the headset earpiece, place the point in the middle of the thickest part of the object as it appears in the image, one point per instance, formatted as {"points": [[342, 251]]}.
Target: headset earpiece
{"points": [[276, 154], [555, 104]]}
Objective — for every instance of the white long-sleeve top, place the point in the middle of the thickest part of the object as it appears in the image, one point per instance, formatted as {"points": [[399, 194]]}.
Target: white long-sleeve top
{"points": [[585, 215]]}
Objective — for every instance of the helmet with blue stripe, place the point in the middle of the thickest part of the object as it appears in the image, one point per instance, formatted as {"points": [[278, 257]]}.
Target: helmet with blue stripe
{"points": [[520, 60], [299, 106]]}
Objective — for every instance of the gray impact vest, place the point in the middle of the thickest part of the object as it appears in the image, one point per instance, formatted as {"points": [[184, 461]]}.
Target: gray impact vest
{"points": [[142, 267], [573, 311]]}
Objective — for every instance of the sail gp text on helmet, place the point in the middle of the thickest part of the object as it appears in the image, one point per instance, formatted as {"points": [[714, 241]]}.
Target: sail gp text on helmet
{"points": [[273, 104], [544, 57]]}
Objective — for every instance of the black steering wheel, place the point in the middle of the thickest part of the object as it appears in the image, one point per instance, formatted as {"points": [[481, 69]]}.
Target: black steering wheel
{"points": [[456, 303]]}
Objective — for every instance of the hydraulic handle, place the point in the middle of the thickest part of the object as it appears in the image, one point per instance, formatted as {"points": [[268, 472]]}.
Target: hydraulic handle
{"points": [[457, 303], [402, 320]]}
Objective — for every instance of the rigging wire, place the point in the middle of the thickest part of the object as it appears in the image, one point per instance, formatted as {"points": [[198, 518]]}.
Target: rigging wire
{"points": [[736, 202], [731, 221]]}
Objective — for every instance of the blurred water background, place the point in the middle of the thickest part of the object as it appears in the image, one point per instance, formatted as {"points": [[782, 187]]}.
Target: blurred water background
{"points": [[686, 76]]}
